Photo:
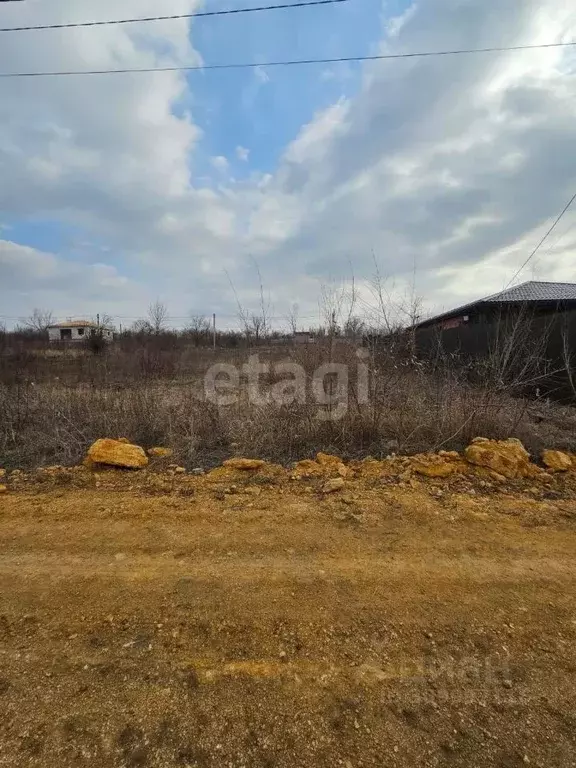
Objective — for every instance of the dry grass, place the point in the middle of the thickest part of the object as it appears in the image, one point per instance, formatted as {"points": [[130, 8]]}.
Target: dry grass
{"points": [[412, 407]]}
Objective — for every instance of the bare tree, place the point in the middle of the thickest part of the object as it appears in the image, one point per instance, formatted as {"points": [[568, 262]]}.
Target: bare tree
{"points": [[568, 356], [142, 325], [331, 300], [157, 316], [242, 313], [264, 320], [107, 321], [392, 315], [198, 327], [517, 351], [383, 312], [354, 327], [257, 327], [292, 318], [337, 304], [351, 297], [39, 320]]}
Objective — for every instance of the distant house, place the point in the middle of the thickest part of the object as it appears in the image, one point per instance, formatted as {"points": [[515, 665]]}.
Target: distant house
{"points": [[77, 331], [539, 298], [303, 337]]}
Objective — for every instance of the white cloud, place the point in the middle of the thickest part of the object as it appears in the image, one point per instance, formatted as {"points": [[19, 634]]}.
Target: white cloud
{"points": [[37, 278], [261, 75], [452, 165], [446, 164], [395, 24], [220, 163], [75, 144], [242, 153]]}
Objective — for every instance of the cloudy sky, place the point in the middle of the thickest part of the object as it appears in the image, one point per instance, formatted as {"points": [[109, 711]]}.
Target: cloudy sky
{"points": [[442, 173]]}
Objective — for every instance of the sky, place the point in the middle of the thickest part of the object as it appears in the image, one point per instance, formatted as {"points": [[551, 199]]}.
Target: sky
{"points": [[211, 189]]}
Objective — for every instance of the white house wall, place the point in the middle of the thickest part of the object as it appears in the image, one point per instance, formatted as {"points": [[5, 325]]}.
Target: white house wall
{"points": [[54, 334]]}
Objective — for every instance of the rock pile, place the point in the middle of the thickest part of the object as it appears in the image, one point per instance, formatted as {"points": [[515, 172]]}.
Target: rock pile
{"points": [[440, 464], [325, 465], [496, 460]]}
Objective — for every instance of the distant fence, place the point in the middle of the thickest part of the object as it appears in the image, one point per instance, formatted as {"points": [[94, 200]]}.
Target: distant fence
{"points": [[538, 352]]}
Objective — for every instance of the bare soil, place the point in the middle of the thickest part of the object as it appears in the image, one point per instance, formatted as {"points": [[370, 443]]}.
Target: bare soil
{"points": [[266, 625]]}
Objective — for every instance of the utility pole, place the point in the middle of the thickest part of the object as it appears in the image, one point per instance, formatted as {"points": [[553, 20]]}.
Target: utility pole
{"points": [[98, 320], [214, 330]]}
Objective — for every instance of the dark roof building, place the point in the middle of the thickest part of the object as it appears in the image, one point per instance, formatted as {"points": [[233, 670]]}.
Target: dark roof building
{"points": [[539, 297]]}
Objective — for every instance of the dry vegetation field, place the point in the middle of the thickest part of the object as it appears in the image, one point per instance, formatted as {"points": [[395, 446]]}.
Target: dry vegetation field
{"points": [[54, 403], [250, 619]]}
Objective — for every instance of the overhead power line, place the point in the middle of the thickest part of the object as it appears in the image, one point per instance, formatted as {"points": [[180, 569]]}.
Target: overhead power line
{"points": [[198, 14], [284, 63], [541, 243]]}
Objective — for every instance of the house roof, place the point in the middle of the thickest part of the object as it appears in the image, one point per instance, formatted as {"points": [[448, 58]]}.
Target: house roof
{"points": [[531, 291], [75, 324], [536, 291]]}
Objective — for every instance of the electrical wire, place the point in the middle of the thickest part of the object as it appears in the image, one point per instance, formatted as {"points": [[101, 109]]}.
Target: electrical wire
{"points": [[67, 316], [541, 243], [285, 63], [198, 14]]}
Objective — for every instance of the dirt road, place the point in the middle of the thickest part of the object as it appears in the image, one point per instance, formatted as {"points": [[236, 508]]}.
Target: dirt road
{"points": [[273, 626]]}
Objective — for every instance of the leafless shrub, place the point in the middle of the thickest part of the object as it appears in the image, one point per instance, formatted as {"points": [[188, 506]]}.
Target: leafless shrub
{"points": [[157, 316], [412, 407], [149, 387], [198, 328], [39, 320], [292, 318]]}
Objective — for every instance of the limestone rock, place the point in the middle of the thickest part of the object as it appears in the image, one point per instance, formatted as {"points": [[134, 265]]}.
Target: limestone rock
{"points": [[370, 468], [244, 464], [508, 458], [335, 484], [306, 468], [432, 465], [117, 454], [324, 465], [327, 460], [434, 469], [160, 453], [557, 461]]}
